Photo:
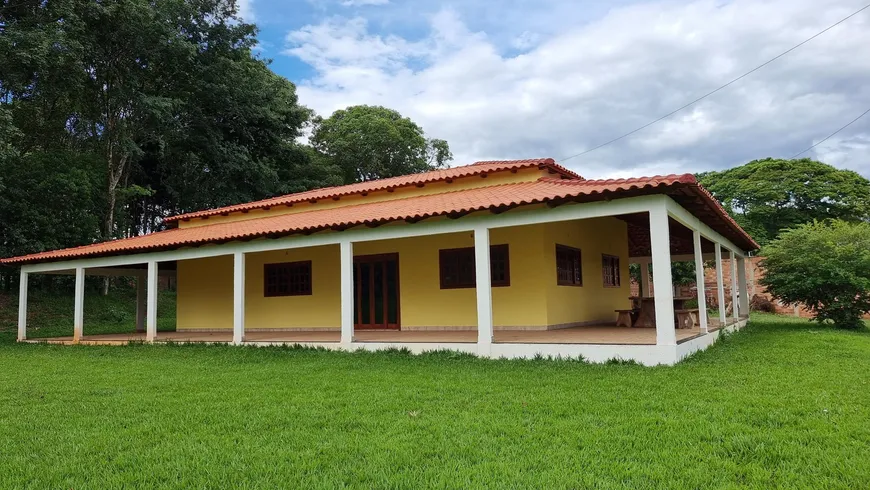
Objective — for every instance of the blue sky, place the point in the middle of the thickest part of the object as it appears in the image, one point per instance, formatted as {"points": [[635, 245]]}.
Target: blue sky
{"points": [[551, 78]]}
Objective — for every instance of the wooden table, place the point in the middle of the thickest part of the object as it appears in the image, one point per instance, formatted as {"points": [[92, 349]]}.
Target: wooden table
{"points": [[647, 306]]}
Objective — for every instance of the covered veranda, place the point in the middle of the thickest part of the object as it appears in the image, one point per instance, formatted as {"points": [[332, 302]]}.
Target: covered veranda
{"points": [[662, 217], [604, 334]]}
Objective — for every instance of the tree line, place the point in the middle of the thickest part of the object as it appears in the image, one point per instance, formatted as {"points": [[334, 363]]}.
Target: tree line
{"points": [[116, 114]]}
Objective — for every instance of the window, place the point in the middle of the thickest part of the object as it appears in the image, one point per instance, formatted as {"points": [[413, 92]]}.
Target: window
{"points": [[610, 270], [499, 265], [457, 267], [287, 279], [569, 271]]}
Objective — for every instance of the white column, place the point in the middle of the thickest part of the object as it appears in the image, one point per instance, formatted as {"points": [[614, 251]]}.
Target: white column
{"points": [[22, 306], [79, 314], [700, 282], [735, 310], [140, 303], [484, 290], [751, 278], [720, 283], [151, 303], [662, 282], [644, 279], [238, 298], [347, 297], [742, 286]]}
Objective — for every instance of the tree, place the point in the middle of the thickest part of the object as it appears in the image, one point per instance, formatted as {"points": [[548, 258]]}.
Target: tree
{"points": [[372, 142], [766, 196], [170, 96], [51, 200], [8, 134], [823, 266], [233, 138]]}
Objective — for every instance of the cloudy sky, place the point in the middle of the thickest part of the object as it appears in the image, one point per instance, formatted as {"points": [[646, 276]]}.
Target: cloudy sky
{"points": [[551, 78]]}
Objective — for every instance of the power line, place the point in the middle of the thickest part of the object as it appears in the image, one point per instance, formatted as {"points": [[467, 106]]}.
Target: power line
{"points": [[830, 135], [614, 140]]}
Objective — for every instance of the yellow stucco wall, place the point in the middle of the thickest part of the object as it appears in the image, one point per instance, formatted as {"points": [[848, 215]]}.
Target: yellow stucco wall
{"points": [[532, 300], [205, 293], [522, 175], [425, 304], [591, 302], [321, 309]]}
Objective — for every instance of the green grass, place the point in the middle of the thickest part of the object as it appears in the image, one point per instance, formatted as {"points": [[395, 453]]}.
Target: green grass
{"points": [[783, 403]]}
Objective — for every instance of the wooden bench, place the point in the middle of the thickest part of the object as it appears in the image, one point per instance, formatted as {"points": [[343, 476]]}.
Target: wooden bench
{"points": [[686, 318], [624, 318]]}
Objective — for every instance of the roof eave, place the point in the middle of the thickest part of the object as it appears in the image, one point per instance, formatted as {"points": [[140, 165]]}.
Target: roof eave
{"points": [[635, 188]]}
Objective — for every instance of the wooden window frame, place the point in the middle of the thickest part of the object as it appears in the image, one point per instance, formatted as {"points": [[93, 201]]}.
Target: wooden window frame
{"points": [[499, 252], [576, 257], [610, 271], [306, 288]]}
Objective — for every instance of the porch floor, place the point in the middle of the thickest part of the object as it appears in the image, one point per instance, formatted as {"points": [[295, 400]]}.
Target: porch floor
{"points": [[600, 334]]}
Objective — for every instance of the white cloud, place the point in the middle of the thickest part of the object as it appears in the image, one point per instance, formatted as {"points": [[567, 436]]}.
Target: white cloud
{"points": [[850, 152], [525, 40], [340, 46], [582, 84], [360, 3], [246, 9]]}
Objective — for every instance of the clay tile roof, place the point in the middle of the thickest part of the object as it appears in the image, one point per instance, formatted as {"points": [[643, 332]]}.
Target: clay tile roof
{"points": [[454, 204], [632, 183], [384, 184]]}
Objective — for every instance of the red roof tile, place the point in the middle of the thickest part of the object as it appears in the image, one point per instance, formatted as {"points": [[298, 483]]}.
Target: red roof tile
{"points": [[415, 208], [384, 184]]}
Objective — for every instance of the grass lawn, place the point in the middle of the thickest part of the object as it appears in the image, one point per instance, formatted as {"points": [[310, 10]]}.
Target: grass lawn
{"points": [[783, 403]]}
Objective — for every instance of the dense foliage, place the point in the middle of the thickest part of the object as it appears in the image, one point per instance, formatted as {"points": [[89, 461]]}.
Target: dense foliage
{"points": [[115, 114], [766, 196], [50, 199], [166, 94], [370, 142], [825, 267]]}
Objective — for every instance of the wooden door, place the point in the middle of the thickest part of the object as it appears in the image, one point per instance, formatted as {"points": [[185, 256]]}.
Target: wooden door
{"points": [[376, 286]]}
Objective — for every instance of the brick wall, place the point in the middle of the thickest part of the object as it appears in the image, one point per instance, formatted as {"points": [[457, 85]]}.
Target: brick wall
{"points": [[754, 273], [679, 290]]}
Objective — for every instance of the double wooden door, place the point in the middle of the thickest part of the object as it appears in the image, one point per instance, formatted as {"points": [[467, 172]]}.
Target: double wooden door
{"points": [[376, 286]]}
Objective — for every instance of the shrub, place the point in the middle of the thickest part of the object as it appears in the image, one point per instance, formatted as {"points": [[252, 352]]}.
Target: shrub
{"points": [[825, 267], [760, 303]]}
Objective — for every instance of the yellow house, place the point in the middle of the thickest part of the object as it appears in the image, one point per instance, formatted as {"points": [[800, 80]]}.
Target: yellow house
{"points": [[503, 259]]}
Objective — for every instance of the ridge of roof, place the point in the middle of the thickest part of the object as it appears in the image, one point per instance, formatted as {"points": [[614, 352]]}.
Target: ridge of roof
{"points": [[669, 178], [388, 183], [545, 161]]}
